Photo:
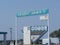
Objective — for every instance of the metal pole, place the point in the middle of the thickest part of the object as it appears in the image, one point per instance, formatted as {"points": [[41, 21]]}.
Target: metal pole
{"points": [[48, 30], [10, 33], [16, 31], [4, 39]]}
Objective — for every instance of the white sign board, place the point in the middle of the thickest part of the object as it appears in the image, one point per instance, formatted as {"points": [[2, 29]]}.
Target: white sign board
{"points": [[54, 40], [44, 17], [45, 41], [26, 35]]}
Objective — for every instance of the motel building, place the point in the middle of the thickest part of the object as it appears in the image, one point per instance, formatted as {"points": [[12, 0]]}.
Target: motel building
{"points": [[33, 35]]}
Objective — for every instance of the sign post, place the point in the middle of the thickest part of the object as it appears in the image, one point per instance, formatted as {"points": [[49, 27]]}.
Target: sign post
{"points": [[43, 13]]}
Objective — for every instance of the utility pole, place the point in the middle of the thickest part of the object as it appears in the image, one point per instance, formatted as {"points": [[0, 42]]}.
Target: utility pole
{"points": [[10, 33]]}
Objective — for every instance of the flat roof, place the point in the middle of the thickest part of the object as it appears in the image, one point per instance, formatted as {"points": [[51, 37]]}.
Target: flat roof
{"points": [[3, 32]]}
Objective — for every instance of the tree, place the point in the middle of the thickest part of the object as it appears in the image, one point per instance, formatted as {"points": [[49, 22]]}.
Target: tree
{"points": [[56, 34]]}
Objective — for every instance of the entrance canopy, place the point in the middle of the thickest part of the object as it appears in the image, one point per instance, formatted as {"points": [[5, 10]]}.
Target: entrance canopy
{"points": [[4, 37], [3, 32]]}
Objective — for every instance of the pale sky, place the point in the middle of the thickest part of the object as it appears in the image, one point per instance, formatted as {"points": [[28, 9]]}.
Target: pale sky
{"points": [[8, 9]]}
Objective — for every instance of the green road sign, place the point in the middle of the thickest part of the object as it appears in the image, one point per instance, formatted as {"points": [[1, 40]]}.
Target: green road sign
{"points": [[32, 13]]}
